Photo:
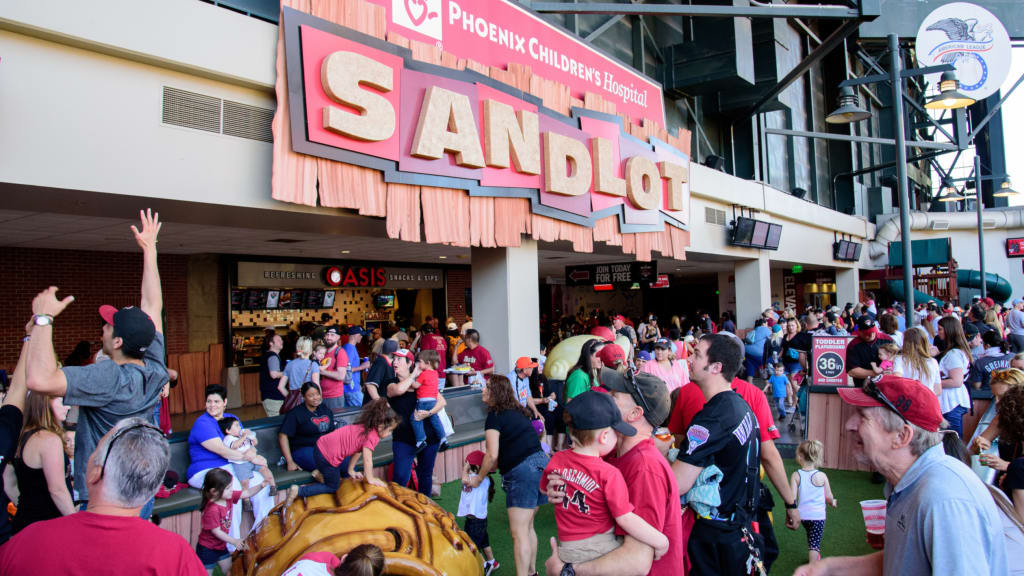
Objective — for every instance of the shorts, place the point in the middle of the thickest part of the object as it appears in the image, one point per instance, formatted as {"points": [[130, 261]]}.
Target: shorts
{"points": [[242, 470], [793, 367], [477, 530], [521, 484], [209, 556], [815, 529], [587, 549], [335, 404]]}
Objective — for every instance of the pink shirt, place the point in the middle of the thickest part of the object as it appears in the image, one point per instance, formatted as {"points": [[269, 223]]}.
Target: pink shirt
{"points": [[674, 378], [346, 441]]}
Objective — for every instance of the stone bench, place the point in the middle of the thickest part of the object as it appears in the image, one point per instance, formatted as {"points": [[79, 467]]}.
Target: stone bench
{"points": [[464, 407]]}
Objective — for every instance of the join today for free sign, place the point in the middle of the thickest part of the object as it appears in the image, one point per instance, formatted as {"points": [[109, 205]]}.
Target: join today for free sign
{"points": [[360, 100]]}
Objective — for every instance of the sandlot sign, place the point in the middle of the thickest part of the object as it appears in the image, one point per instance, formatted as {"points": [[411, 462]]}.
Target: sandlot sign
{"points": [[360, 100]]}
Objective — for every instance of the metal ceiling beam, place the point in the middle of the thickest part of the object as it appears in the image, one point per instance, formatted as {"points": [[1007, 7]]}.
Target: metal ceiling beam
{"points": [[604, 26], [830, 12], [834, 39], [862, 139]]}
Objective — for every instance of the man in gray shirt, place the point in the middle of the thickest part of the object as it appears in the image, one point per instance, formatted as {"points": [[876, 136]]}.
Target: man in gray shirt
{"points": [[940, 518], [130, 383], [1015, 326]]}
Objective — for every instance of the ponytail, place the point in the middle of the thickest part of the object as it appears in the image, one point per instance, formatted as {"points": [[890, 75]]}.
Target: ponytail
{"points": [[363, 560]]}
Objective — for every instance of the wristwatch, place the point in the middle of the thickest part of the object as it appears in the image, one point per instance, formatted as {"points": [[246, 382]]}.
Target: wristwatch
{"points": [[568, 570], [792, 506], [42, 320]]}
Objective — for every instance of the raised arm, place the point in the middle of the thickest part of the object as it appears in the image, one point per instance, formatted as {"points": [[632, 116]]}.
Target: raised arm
{"points": [[41, 372], [152, 295], [16, 393]]}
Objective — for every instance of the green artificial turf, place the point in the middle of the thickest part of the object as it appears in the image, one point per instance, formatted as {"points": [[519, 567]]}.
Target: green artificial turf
{"points": [[844, 529]]}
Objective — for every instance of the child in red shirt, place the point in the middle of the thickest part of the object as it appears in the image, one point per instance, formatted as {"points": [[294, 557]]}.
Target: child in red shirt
{"points": [[596, 498], [337, 453], [218, 500], [426, 386]]}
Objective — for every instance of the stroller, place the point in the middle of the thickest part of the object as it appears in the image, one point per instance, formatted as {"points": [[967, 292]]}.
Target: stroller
{"points": [[800, 413]]}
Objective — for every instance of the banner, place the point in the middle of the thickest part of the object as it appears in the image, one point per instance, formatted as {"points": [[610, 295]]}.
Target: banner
{"points": [[828, 361], [500, 32], [626, 273], [360, 100]]}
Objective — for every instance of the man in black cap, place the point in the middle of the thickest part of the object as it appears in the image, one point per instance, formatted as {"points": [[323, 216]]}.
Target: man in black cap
{"points": [[130, 384], [862, 351], [644, 403]]}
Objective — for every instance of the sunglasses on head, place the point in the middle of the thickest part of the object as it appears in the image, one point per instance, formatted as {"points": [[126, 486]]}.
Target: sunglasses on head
{"points": [[635, 392], [117, 435], [871, 389]]}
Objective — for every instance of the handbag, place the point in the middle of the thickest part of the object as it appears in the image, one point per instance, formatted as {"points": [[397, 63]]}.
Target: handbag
{"points": [[294, 397]]}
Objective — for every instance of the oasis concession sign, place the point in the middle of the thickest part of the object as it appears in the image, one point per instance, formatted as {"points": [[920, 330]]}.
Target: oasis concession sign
{"points": [[360, 100]]}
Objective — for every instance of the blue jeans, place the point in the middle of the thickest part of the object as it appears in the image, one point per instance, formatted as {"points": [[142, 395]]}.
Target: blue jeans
{"points": [[955, 417], [353, 396], [304, 458], [780, 402], [404, 455], [521, 484], [332, 476], [435, 421]]}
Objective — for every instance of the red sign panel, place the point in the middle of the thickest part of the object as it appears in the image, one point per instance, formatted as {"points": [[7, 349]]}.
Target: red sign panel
{"points": [[1015, 247], [500, 32], [828, 361]]}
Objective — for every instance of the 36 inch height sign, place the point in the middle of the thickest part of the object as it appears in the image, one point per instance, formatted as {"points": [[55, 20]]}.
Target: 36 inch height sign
{"points": [[828, 361], [497, 32], [360, 100]]}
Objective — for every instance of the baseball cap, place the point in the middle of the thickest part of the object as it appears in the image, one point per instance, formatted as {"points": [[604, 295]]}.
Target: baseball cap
{"points": [[648, 391], [452, 326], [610, 354], [989, 301], [644, 355], [133, 326], [592, 410], [971, 330], [404, 353], [524, 362], [619, 317], [603, 332], [353, 330], [336, 330], [866, 326], [908, 398], [475, 458], [391, 347], [663, 343], [777, 328], [1018, 301]]}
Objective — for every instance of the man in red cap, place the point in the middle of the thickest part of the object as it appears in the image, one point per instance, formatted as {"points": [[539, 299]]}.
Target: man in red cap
{"points": [[862, 351], [939, 518], [520, 379], [620, 326], [612, 356], [127, 386]]}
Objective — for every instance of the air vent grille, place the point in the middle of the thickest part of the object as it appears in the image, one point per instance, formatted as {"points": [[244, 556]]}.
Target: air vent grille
{"points": [[191, 110], [211, 114], [714, 216], [247, 121]]}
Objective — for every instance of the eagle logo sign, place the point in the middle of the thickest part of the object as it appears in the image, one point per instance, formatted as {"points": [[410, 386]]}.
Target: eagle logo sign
{"points": [[966, 41]]}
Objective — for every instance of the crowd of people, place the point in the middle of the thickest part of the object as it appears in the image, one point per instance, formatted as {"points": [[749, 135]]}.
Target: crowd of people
{"points": [[656, 454]]}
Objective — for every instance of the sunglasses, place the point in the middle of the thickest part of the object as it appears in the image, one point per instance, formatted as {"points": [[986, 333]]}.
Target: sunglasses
{"points": [[1005, 373], [636, 394], [122, 432], [871, 389]]}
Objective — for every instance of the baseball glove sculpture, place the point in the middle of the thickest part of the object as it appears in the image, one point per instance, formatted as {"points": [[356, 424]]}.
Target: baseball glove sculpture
{"points": [[418, 537]]}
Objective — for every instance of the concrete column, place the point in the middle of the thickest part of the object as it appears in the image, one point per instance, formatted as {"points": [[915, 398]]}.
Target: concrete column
{"points": [[753, 290], [506, 302], [847, 286]]}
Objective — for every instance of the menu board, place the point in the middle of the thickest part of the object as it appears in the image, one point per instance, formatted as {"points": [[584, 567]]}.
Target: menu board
{"points": [[314, 299], [255, 300], [273, 297], [328, 299], [237, 298]]}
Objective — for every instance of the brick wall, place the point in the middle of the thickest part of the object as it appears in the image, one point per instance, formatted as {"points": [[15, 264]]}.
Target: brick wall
{"points": [[93, 278], [458, 280]]}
